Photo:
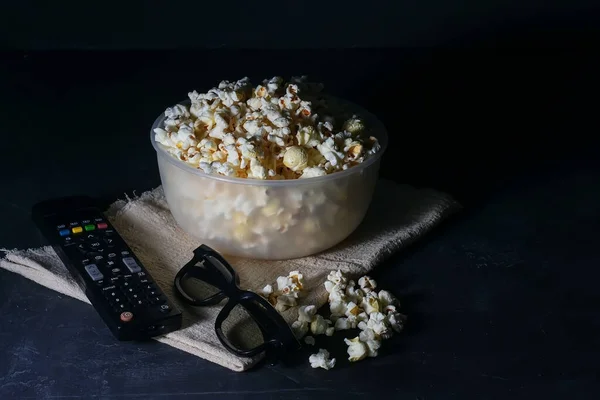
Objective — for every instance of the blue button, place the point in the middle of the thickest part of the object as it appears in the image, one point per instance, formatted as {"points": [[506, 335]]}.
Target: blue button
{"points": [[64, 232]]}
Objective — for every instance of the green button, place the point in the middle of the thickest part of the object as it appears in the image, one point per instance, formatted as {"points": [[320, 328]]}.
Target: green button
{"points": [[90, 227]]}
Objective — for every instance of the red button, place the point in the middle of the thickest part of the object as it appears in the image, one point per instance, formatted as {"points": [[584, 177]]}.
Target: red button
{"points": [[102, 225], [126, 316]]}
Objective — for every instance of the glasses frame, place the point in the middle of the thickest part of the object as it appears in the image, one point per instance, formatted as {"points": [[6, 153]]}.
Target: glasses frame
{"points": [[279, 339]]}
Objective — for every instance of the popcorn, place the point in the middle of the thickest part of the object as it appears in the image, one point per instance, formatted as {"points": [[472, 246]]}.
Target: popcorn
{"points": [[369, 337], [357, 350], [299, 328], [306, 313], [338, 278], [387, 301], [321, 360], [295, 158], [342, 324], [337, 308], [267, 290], [370, 303], [367, 284], [288, 291], [318, 326], [354, 125], [377, 322], [272, 113], [396, 321]]}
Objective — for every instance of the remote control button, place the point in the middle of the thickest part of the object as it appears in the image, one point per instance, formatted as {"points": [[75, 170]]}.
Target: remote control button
{"points": [[157, 299], [124, 253], [95, 245], [109, 232], [102, 225], [90, 227], [110, 242], [94, 272], [64, 232], [91, 237], [100, 251], [165, 308], [138, 303], [110, 263], [131, 264], [112, 255], [115, 271], [85, 261], [116, 280], [98, 258], [126, 316], [77, 229], [120, 307], [68, 241]]}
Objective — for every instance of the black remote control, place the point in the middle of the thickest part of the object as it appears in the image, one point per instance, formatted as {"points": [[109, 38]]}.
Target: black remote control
{"points": [[114, 280]]}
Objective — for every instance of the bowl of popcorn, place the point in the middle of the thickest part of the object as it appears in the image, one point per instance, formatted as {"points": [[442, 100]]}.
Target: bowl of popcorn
{"points": [[277, 170]]}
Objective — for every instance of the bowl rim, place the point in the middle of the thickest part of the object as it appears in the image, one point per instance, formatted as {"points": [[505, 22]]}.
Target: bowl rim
{"points": [[379, 131]]}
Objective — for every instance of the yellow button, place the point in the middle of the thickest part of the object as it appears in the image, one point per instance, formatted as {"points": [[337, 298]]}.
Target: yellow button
{"points": [[77, 229]]}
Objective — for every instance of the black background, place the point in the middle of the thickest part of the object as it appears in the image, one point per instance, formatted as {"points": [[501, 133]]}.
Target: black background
{"points": [[494, 102]]}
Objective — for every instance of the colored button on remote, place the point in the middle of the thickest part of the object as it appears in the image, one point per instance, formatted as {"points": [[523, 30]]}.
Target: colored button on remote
{"points": [[90, 227], [102, 225], [77, 229], [126, 316], [64, 232]]}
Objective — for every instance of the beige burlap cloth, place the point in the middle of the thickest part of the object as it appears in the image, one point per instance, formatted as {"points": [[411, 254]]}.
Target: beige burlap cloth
{"points": [[399, 214]]}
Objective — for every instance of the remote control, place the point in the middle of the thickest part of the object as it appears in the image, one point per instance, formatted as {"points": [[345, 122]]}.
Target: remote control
{"points": [[104, 266]]}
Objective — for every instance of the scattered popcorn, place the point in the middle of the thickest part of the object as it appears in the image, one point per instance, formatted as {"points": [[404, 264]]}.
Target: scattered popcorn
{"points": [[289, 289], [370, 303], [299, 328], [306, 313], [309, 340], [373, 313], [373, 343], [311, 138], [318, 326], [378, 323], [367, 284], [387, 301], [357, 350], [267, 290], [396, 321], [321, 360]]}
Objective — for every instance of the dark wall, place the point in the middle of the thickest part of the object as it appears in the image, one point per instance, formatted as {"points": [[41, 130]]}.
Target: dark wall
{"points": [[292, 24]]}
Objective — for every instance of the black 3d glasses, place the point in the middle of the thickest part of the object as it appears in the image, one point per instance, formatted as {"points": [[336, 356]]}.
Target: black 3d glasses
{"points": [[248, 324]]}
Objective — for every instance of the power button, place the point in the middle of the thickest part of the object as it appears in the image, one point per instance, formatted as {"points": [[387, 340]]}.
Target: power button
{"points": [[126, 316]]}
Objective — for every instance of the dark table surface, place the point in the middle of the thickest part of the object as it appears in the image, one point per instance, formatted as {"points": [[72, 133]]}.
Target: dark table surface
{"points": [[502, 299]]}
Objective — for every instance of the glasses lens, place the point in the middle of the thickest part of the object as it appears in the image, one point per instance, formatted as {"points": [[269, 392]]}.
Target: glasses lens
{"points": [[241, 330], [197, 288]]}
